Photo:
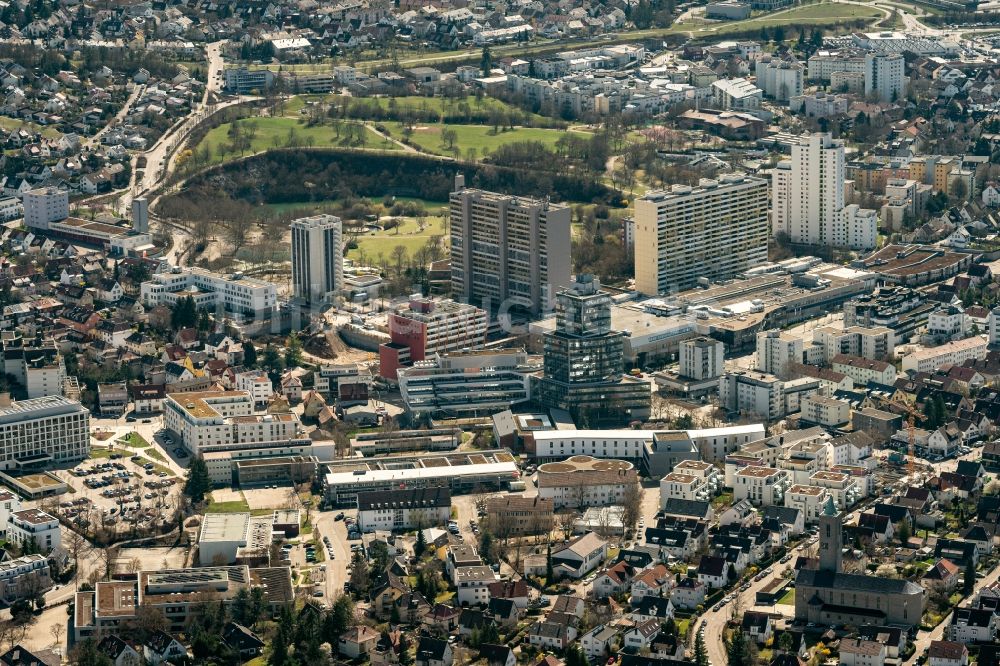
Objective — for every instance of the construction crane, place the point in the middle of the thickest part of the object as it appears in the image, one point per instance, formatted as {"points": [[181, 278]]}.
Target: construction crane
{"points": [[911, 421]]}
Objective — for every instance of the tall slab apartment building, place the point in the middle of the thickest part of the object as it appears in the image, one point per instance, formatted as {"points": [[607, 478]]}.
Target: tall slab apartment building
{"points": [[715, 231], [508, 251]]}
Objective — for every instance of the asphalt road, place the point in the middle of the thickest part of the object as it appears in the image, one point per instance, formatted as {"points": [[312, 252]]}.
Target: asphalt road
{"points": [[715, 621]]}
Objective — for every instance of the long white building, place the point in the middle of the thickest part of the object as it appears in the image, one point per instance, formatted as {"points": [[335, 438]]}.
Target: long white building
{"points": [[807, 198], [716, 231], [644, 447], [317, 258], [404, 509], [50, 428], [343, 487], [237, 294], [224, 420], [929, 359]]}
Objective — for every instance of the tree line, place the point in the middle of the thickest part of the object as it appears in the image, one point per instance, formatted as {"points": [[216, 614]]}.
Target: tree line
{"points": [[284, 176]]}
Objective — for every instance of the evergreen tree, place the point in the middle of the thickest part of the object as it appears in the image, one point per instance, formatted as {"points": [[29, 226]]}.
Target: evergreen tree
{"points": [[198, 482], [88, 655], [184, 314], [405, 658], [421, 545], [700, 652], [241, 604], [903, 531], [339, 619], [575, 656], [249, 354], [969, 585], [272, 359], [204, 321], [737, 652], [486, 61], [293, 351], [549, 571], [941, 409]]}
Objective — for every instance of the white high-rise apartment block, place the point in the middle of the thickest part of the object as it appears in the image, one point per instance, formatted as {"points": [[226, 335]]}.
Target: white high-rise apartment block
{"points": [[808, 198], [779, 78], [882, 73], [887, 77], [51, 426], [45, 205], [702, 358], [776, 350], [716, 230], [317, 258], [860, 227]]}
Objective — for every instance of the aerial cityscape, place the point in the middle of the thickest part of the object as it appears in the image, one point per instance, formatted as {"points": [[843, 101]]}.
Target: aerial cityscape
{"points": [[500, 333]]}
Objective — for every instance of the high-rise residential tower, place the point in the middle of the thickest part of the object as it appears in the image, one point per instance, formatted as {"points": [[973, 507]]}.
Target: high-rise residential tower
{"points": [[716, 230], [807, 198], [507, 251], [317, 258]]}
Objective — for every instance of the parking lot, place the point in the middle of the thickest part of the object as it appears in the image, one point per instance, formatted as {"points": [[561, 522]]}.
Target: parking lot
{"points": [[119, 492]]}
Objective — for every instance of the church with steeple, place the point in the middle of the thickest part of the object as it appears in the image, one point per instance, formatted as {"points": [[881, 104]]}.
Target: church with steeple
{"points": [[829, 596]]}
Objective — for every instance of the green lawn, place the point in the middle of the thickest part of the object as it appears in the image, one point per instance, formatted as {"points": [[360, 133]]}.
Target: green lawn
{"points": [[236, 506], [722, 501], [134, 440], [275, 132], [826, 12], [480, 138], [155, 455], [410, 236], [9, 124], [788, 597], [99, 453]]}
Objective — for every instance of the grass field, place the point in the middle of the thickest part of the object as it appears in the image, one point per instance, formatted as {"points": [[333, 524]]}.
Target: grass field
{"points": [[274, 132], [10, 124], [409, 236], [155, 455], [910, 6], [826, 12], [480, 138], [229, 507], [432, 207], [134, 440], [788, 597]]}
